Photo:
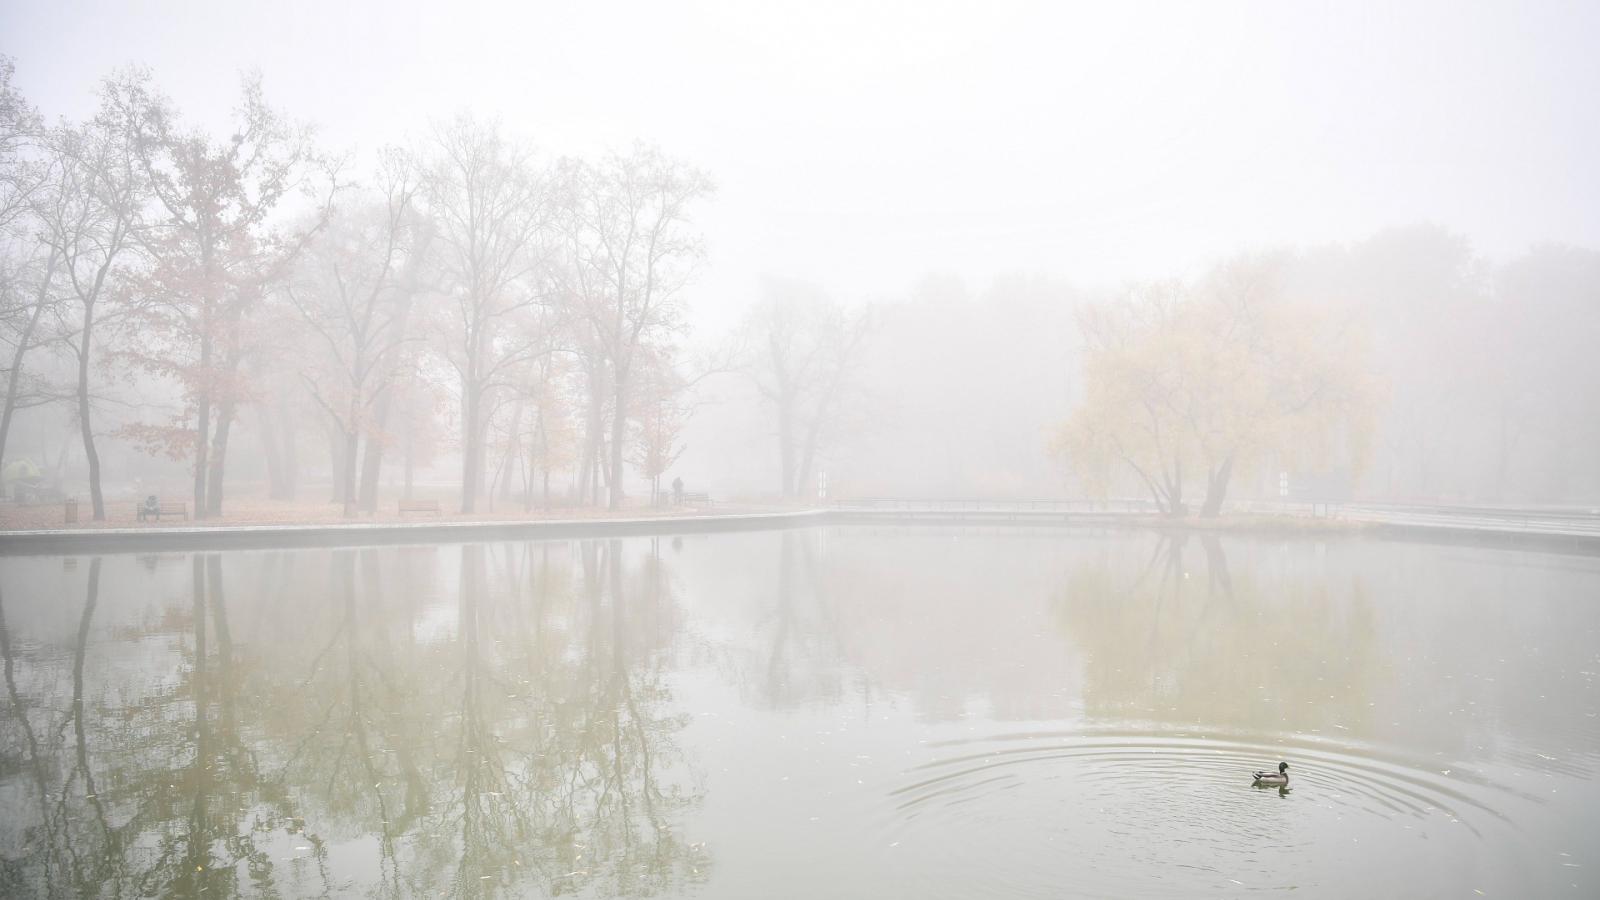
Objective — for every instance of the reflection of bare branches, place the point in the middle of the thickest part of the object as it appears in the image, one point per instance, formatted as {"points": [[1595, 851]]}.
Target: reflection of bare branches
{"points": [[12, 876], [1217, 566], [531, 742], [802, 653], [167, 818], [110, 856]]}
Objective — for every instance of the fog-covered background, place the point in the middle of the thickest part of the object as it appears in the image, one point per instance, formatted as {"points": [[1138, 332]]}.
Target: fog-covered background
{"points": [[933, 250]]}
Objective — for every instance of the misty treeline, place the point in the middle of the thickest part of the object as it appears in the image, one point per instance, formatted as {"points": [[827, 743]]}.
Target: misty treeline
{"points": [[248, 307], [533, 304], [1403, 367]]}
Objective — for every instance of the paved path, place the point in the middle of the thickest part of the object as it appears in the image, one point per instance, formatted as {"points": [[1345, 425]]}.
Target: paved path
{"points": [[1580, 524], [202, 537]]}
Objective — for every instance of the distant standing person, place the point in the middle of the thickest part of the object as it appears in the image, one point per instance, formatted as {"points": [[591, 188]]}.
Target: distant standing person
{"points": [[677, 491]]}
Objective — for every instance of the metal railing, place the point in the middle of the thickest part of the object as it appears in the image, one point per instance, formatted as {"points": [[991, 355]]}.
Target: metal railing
{"points": [[1550, 520], [991, 506], [1554, 521]]}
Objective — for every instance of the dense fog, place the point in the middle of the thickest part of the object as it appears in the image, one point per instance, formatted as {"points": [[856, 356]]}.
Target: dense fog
{"points": [[291, 259], [846, 449]]}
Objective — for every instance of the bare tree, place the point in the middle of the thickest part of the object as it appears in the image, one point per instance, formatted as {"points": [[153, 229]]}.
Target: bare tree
{"points": [[25, 295], [488, 205], [804, 353], [349, 295], [630, 250], [20, 129], [92, 216], [27, 266]]}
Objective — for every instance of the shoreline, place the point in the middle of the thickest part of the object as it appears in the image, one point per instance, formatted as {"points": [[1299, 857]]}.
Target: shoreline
{"points": [[51, 541], [355, 534]]}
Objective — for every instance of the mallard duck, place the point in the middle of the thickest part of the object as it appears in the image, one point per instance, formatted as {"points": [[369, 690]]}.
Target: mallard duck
{"points": [[1264, 779]]}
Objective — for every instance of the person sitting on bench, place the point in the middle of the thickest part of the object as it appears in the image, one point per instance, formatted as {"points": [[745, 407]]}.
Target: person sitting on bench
{"points": [[150, 509]]}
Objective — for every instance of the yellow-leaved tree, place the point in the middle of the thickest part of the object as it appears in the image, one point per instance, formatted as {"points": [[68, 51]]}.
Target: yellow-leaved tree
{"points": [[1205, 380]]}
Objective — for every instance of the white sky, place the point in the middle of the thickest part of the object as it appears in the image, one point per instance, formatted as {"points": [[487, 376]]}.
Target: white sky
{"points": [[863, 145]]}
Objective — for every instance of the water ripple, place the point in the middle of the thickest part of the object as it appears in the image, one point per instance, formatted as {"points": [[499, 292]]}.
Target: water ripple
{"points": [[1151, 813]]}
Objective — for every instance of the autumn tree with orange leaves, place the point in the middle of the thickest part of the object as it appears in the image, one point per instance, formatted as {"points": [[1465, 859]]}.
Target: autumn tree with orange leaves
{"points": [[213, 256]]}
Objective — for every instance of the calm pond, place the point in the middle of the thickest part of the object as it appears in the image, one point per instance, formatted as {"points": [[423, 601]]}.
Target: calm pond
{"points": [[831, 712]]}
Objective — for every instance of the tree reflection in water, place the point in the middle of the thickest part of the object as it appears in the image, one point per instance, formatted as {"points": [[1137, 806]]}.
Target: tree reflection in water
{"points": [[473, 721], [1168, 641]]}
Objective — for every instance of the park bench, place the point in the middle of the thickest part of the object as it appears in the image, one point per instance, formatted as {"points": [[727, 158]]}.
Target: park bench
{"points": [[696, 497], [166, 508], [419, 506]]}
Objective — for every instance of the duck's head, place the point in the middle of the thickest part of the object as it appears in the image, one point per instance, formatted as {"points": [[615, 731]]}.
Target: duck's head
{"points": [[1283, 767]]}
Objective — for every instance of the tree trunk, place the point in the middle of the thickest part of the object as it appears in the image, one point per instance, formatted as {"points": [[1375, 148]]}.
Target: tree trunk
{"points": [[589, 480], [291, 453], [619, 435], [469, 446], [808, 458], [1175, 507], [202, 437], [513, 446], [288, 435], [90, 454], [219, 456], [1217, 489], [410, 455], [1156, 495], [335, 435], [533, 462], [786, 443], [372, 457], [202, 443], [580, 477], [269, 447], [352, 439]]}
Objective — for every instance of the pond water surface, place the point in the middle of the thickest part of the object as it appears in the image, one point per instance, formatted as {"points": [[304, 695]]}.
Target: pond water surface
{"points": [[829, 712]]}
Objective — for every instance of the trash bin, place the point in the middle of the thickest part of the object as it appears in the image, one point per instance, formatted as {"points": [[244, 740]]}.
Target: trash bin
{"points": [[72, 510]]}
